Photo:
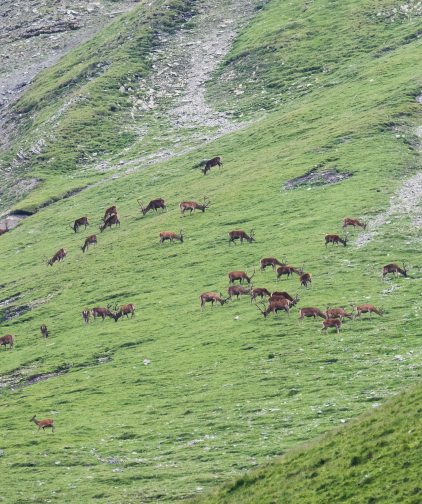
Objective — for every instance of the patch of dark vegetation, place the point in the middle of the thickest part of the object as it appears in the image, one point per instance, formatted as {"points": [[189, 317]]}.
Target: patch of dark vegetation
{"points": [[20, 213], [11, 299], [317, 178], [13, 312]]}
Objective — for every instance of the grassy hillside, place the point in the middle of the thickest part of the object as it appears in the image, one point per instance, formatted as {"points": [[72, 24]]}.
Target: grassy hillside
{"points": [[375, 459], [176, 400]]}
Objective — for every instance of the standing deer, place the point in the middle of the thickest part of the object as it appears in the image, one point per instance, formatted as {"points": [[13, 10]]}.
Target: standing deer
{"points": [[239, 234], [43, 424], [91, 240], [240, 275], [85, 315], [169, 235], [305, 278], [57, 257], [82, 221], [270, 261], [102, 312], [193, 205], [311, 312], [286, 295], [215, 161], [211, 297], [334, 239], [339, 313], [331, 322], [153, 205], [7, 340], [347, 221], [109, 212], [112, 219], [368, 308], [259, 292], [238, 290], [275, 306], [125, 310], [288, 270], [394, 268], [44, 330]]}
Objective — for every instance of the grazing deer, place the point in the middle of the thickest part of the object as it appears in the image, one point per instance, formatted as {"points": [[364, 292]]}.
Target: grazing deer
{"points": [[339, 313], [112, 219], [102, 312], [286, 295], [125, 310], [91, 240], [311, 312], [193, 205], [85, 315], [259, 292], [275, 306], [270, 261], [82, 221], [110, 211], [215, 161], [212, 297], [153, 205], [394, 268], [57, 257], [288, 270], [169, 235], [7, 340], [368, 308], [5, 229], [239, 234], [305, 278], [331, 322], [335, 239], [43, 424], [238, 290], [240, 275], [44, 330], [347, 221]]}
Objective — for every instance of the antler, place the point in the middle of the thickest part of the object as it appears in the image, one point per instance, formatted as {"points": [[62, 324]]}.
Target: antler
{"points": [[141, 203], [256, 304]]}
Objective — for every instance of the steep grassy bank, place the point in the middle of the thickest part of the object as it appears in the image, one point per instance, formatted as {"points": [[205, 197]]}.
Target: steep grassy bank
{"points": [[222, 390]]}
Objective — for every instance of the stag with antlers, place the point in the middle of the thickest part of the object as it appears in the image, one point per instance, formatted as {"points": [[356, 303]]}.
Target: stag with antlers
{"points": [[193, 205], [395, 269], [335, 239], [239, 234], [153, 205], [169, 235], [347, 221], [125, 310], [102, 312], [275, 306], [212, 297]]}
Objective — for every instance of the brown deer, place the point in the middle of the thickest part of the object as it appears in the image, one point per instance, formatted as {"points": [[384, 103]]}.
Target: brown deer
{"points": [[286, 295], [240, 275], [288, 270], [109, 212], [102, 312], [153, 205], [82, 221], [215, 161], [112, 219], [5, 229], [47, 423], [193, 205], [44, 330], [259, 292], [311, 312], [394, 268], [305, 278], [368, 308], [270, 261], [125, 310], [331, 322], [275, 306], [211, 297], [7, 340], [169, 235], [239, 234], [334, 239], [85, 315], [57, 257], [238, 290], [91, 240], [339, 313], [347, 221]]}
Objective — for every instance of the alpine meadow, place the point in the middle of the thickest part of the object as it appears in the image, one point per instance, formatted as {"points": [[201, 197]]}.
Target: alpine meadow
{"points": [[144, 341]]}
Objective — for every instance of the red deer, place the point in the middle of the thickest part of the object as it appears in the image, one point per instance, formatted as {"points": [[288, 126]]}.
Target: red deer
{"points": [[238, 290], [215, 161], [193, 205], [240, 275], [275, 306], [44, 330], [311, 312], [287, 270], [102, 312], [335, 239], [7, 340], [305, 278], [57, 257], [86, 314], [169, 235], [331, 322], [82, 221], [43, 424], [270, 261], [347, 221], [153, 205], [109, 212], [211, 297], [368, 308], [259, 292], [394, 268], [112, 219], [5, 229], [124, 311], [239, 234], [286, 295], [339, 313], [91, 240]]}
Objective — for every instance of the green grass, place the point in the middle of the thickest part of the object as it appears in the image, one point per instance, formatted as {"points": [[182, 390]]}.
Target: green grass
{"points": [[225, 390]]}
